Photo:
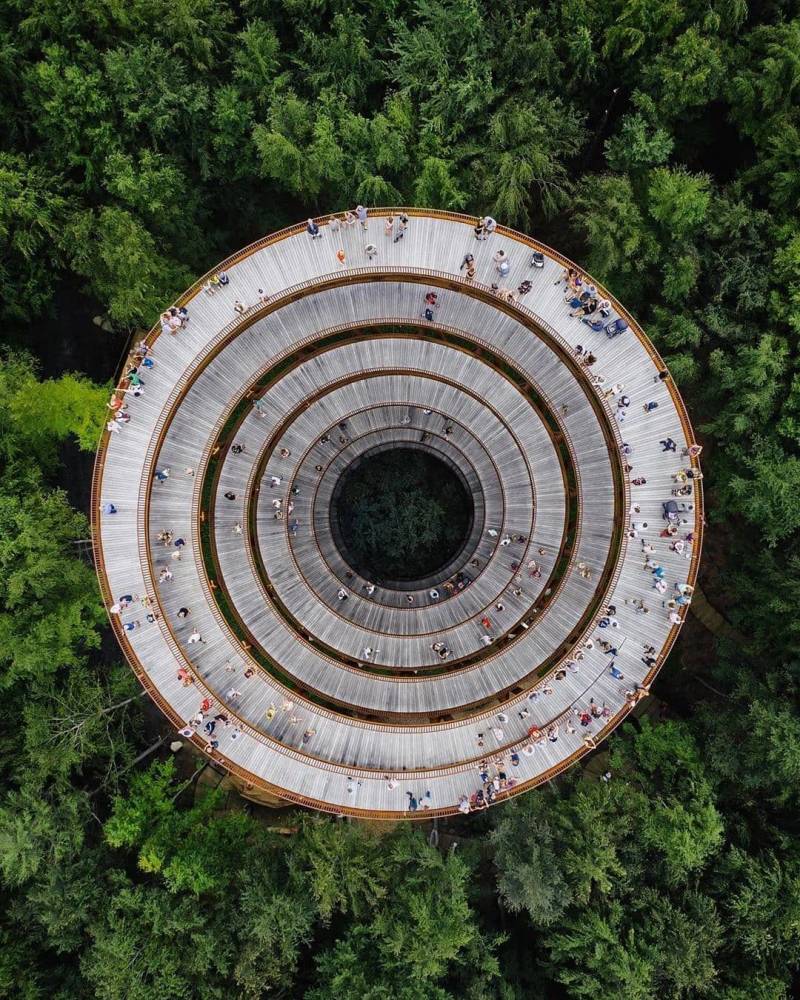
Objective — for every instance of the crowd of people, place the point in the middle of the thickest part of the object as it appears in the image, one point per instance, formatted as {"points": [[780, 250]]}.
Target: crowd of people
{"points": [[583, 299], [395, 228], [497, 774], [139, 360]]}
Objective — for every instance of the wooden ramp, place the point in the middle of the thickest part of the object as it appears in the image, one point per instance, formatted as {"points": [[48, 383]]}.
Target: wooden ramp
{"points": [[250, 414]]}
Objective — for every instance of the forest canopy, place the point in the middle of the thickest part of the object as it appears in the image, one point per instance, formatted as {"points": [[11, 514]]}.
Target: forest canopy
{"points": [[657, 143]]}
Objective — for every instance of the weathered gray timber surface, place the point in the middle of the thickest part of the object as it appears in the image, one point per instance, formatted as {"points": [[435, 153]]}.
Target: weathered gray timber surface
{"points": [[359, 676]]}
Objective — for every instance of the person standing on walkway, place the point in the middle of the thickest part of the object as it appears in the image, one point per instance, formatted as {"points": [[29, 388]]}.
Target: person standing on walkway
{"points": [[402, 226], [501, 263], [361, 214]]}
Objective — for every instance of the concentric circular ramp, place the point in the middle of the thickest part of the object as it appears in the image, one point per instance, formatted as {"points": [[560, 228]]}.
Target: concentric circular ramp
{"points": [[297, 670]]}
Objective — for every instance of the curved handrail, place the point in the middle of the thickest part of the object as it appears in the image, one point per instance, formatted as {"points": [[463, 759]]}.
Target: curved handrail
{"points": [[697, 499]]}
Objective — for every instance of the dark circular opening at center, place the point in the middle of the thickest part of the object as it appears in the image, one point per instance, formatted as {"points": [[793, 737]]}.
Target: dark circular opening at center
{"points": [[402, 514]]}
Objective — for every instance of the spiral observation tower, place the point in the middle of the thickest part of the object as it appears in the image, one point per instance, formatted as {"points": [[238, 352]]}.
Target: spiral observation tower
{"points": [[240, 606]]}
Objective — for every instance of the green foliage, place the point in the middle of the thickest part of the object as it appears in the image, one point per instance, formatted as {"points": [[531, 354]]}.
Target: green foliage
{"points": [[119, 258], [402, 514], [668, 947], [678, 200], [763, 908], [279, 925], [688, 75], [530, 868], [43, 852], [72, 110], [787, 269], [232, 123], [340, 59], [423, 922], [256, 60], [427, 919], [150, 944], [640, 24], [593, 950], [440, 60], [622, 249], [157, 99], [78, 724], [436, 188], [194, 849], [527, 145], [149, 799], [36, 834], [37, 415], [396, 901], [32, 210], [770, 730], [59, 407], [683, 824], [49, 611], [767, 80], [145, 140], [73, 725], [344, 866], [149, 184], [196, 29], [765, 491], [606, 869], [640, 142], [299, 148], [64, 899]]}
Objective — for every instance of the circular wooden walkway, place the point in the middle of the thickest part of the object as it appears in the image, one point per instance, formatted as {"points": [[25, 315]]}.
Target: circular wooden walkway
{"points": [[247, 421]]}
